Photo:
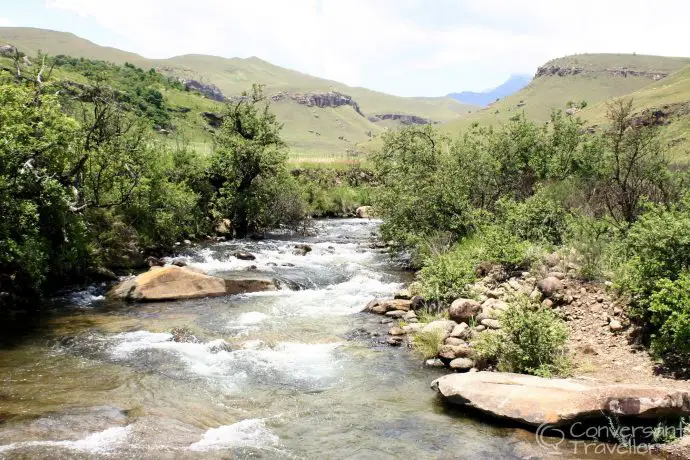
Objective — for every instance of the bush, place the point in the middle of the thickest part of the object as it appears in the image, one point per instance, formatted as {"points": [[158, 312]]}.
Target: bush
{"points": [[669, 308], [428, 343], [531, 340], [538, 219], [447, 276], [597, 246]]}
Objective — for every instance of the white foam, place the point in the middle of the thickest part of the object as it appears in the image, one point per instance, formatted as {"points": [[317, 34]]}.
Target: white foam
{"points": [[246, 433], [251, 317], [99, 442], [287, 363]]}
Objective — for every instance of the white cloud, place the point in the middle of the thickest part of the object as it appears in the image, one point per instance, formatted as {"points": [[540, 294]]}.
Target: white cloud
{"points": [[4, 22], [410, 47]]}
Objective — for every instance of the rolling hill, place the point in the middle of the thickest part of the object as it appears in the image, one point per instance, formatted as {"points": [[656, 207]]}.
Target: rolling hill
{"points": [[319, 120], [592, 78]]}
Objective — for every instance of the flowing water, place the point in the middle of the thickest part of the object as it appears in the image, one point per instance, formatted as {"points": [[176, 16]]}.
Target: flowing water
{"points": [[286, 374]]}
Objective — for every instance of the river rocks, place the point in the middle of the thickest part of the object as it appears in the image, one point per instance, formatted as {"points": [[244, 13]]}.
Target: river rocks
{"points": [[381, 307], [461, 331], [451, 352], [550, 286], [454, 341], [365, 212], [302, 249], [152, 261], [179, 262], [243, 255], [169, 283], [491, 323], [238, 282], [396, 331], [461, 364], [395, 340], [495, 304], [463, 310], [396, 313], [535, 400], [442, 325], [417, 302], [178, 283]]}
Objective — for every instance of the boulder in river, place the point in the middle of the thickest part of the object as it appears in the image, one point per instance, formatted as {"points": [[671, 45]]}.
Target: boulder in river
{"points": [[534, 401], [244, 255], [381, 307], [463, 310], [169, 283], [178, 283], [365, 212]]}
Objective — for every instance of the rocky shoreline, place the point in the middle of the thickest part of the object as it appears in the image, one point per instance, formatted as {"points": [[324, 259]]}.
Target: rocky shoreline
{"points": [[602, 341]]}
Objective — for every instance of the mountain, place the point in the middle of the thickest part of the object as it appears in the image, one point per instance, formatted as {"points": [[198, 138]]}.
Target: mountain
{"points": [[322, 118], [588, 78], [514, 84]]}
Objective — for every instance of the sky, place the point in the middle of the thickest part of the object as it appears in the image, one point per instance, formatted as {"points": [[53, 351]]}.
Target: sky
{"points": [[402, 47]]}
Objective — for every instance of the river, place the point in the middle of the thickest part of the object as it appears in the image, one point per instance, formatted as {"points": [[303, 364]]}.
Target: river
{"points": [[286, 374]]}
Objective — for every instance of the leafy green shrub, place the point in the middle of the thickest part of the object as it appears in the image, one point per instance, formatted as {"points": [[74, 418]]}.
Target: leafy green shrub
{"points": [[658, 246], [597, 245], [539, 219], [446, 276], [531, 340], [669, 308]]}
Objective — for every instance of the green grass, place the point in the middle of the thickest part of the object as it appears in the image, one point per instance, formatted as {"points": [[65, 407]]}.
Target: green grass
{"points": [[341, 129], [595, 86]]}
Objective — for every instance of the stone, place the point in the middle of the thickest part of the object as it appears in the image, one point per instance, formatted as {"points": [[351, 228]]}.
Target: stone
{"points": [[454, 341], [412, 327], [535, 295], [242, 282], [559, 275], [463, 310], [461, 364], [243, 255], [615, 326], [491, 323], [434, 362], [365, 212], [396, 331], [550, 286], [154, 261], [302, 249], [396, 313], [394, 341], [169, 283], [461, 331], [179, 262], [495, 304], [480, 328], [381, 307], [548, 303], [514, 284], [410, 315], [443, 325], [534, 401], [454, 351]]}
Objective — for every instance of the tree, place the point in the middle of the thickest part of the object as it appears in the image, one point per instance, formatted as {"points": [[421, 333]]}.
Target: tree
{"points": [[635, 167], [249, 159]]}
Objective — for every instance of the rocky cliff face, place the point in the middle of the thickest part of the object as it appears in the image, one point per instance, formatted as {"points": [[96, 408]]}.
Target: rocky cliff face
{"points": [[318, 99], [209, 90], [402, 118], [557, 71]]}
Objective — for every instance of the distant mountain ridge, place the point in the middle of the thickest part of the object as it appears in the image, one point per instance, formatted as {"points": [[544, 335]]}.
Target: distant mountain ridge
{"points": [[511, 86]]}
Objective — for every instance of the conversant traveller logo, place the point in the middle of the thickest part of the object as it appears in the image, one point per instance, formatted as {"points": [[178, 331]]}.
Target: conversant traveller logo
{"points": [[611, 438]]}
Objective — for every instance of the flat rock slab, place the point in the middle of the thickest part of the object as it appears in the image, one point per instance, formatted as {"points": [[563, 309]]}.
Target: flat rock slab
{"points": [[535, 401], [179, 283]]}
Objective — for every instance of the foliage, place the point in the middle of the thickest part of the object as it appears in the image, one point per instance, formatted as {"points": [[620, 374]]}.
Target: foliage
{"points": [[539, 219], [249, 163], [669, 307], [428, 343], [531, 340]]}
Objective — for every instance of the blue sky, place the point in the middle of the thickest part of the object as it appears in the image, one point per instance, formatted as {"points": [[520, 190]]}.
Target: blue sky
{"points": [[404, 47]]}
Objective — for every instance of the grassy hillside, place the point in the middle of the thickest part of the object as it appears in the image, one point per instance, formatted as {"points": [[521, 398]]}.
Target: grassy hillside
{"points": [[340, 128], [669, 98], [593, 78]]}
